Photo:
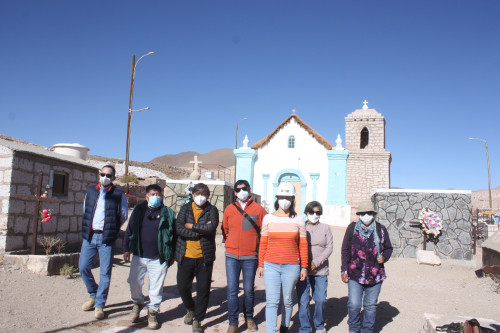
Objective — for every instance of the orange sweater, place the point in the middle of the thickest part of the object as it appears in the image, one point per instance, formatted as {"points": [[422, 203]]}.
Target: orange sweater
{"points": [[283, 241], [241, 236]]}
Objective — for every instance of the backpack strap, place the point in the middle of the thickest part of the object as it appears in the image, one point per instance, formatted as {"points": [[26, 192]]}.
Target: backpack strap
{"points": [[350, 230], [249, 219]]}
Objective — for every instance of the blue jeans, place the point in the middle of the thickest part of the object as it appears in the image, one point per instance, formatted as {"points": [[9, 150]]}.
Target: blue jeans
{"points": [[87, 255], [156, 272], [319, 285], [233, 269], [277, 278], [370, 301]]}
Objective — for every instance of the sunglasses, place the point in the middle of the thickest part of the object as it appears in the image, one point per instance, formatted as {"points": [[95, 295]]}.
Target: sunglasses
{"points": [[317, 213], [237, 190], [107, 175], [365, 213]]}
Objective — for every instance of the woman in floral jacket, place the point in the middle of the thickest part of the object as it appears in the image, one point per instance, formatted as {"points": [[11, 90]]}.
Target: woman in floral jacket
{"points": [[365, 249]]}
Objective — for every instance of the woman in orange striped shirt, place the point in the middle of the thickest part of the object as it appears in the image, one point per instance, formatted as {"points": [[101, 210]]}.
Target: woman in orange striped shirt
{"points": [[283, 255]]}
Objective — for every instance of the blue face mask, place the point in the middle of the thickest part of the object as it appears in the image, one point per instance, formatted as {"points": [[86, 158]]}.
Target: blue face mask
{"points": [[154, 201]]}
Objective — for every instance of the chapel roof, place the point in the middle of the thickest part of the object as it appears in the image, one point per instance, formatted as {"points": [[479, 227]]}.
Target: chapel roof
{"points": [[302, 124]]}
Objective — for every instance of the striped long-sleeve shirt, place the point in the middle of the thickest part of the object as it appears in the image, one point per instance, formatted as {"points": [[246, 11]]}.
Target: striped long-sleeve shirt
{"points": [[283, 241]]}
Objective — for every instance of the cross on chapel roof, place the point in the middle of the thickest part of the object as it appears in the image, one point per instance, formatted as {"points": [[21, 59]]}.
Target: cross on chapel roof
{"points": [[365, 105]]}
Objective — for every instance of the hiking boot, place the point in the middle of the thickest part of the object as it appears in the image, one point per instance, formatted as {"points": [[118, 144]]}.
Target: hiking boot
{"points": [[88, 305], [232, 329], [99, 314], [152, 321], [197, 326], [188, 318], [251, 325], [136, 312]]}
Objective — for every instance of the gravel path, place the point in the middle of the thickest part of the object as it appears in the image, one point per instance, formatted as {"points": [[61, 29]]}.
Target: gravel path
{"points": [[32, 303]]}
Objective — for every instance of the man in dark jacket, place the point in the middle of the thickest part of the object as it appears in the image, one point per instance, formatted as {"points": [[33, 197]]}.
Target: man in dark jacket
{"points": [[150, 238], [105, 209], [196, 226]]}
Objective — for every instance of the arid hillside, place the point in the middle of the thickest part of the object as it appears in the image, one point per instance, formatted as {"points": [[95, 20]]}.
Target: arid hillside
{"points": [[223, 157]]}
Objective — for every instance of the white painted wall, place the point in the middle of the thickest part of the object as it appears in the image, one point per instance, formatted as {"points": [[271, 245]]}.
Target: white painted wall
{"points": [[308, 156]]}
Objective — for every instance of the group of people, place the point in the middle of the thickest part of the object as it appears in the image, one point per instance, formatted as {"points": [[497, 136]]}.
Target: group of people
{"points": [[290, 254]]}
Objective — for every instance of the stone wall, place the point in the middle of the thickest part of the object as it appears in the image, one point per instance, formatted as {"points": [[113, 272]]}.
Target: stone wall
{"points": [[221, 195], [366, 172], [20, 176], [396, 208]]}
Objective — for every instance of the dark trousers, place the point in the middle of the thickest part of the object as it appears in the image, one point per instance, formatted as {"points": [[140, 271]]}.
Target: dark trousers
{"points": [[186, 272]]}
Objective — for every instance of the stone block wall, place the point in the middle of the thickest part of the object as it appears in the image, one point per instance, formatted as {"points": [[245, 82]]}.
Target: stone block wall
{"points": [[396, 208], [221, 195], [366, 172], [17, 215], [6, 157]]}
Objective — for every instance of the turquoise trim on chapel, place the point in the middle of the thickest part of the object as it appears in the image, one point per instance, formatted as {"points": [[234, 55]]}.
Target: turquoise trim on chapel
{"points": [[293, 175], [265, 177], [245, 158], [337, 177], [314, 177]]}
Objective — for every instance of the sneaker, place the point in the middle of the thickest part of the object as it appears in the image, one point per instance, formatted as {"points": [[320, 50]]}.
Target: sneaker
{"points": [[99, 313], [321, 331], [89, 304], [232, 329], [197, 326], [136, 312], [152, 321], [188, 318], [251, 325], [283, 329]]}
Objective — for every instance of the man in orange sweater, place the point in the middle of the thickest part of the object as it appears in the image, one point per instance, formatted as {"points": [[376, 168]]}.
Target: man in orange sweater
{"points": [[241, 226]]}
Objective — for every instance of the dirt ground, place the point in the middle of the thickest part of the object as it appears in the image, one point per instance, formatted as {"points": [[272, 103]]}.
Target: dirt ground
{"points": [[33, 303]]}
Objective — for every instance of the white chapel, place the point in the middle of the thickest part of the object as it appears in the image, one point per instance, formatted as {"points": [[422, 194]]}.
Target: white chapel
{"points": [[338, 177]]}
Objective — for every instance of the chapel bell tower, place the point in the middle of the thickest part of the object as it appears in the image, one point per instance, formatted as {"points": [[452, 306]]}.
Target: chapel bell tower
{"points": [[368, 165]]}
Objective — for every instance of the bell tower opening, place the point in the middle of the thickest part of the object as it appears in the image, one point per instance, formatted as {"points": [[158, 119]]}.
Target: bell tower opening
{"points": [[365, 138]]}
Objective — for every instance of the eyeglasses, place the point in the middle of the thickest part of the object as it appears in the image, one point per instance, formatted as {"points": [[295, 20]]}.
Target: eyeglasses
{"points": [[107, 175], [237, 190]]}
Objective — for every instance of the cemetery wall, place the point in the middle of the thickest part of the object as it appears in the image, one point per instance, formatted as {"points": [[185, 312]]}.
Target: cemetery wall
{"points": [[221, 195], [396, 208], [20, 176]]}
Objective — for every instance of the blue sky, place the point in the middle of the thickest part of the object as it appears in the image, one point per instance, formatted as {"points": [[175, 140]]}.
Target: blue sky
{"points": [[431, 67]]}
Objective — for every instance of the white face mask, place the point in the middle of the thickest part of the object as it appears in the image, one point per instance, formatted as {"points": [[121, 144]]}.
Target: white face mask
{"points": [[105, 181], [284, 203], [366, 219], [243, 195], [200, 200], [313, 218]]}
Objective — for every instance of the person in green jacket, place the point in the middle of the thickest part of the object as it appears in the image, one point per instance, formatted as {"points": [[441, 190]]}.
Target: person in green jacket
{"points": [[150, 237]]}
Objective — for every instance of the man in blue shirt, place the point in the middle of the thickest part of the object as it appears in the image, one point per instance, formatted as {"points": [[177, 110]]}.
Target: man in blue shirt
{"points": [[150, 238], [105, 209]]}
